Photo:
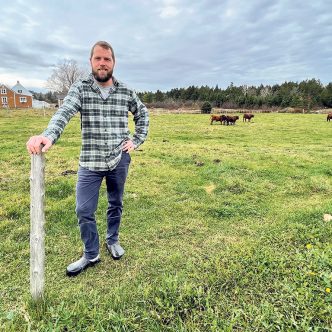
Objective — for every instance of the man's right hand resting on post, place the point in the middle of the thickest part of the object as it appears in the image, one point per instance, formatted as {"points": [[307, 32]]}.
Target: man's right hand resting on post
{"points": [[35, 142]]}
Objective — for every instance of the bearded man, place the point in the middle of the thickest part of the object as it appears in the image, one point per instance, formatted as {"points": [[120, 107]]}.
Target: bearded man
{"points": [[103, 103]]}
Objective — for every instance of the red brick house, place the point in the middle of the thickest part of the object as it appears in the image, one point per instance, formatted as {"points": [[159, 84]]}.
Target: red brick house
{"points": [[16, 97]]}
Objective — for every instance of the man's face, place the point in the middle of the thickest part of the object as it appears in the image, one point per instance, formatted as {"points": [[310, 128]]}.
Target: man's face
{"points": [[102, 64]]}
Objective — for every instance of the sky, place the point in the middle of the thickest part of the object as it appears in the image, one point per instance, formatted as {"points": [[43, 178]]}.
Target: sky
{"points": [[165, 44]]}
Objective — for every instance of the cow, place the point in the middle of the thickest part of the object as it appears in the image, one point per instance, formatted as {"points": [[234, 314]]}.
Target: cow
{"points": [[217, 118], [329, 117], [231, 119], [247, 116], [224, 119]]}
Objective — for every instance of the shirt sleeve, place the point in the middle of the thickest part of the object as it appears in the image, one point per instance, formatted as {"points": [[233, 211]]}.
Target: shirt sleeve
{"points": [[71, 105], [141, 119]]}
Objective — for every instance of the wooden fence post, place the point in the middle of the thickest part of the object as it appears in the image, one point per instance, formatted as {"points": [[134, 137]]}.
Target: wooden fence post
{"points": [[37, 220]]}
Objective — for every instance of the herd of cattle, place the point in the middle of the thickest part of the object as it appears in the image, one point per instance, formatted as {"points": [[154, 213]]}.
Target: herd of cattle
{"points": [[231, 119]]}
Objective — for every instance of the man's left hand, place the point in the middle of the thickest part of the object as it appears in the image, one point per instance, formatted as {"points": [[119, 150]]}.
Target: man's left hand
{"points": [[128, 146]]}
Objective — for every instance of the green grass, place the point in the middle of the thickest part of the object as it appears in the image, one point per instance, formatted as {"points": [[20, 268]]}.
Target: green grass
{"points": [[222, 225]]}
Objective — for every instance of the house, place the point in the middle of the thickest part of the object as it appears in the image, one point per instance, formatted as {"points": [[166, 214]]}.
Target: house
{"points": [[40, 104], [16, 97], [7, 97]]}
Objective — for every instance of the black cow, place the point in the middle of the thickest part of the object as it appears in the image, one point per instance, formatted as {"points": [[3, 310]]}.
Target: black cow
{"points": [[231, 119]]}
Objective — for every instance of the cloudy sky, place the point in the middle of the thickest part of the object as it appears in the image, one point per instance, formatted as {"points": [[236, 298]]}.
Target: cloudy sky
{"points": [[164, 44]]}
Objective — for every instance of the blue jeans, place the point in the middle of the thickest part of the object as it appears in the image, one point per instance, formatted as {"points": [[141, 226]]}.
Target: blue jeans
{"points": [[87, 194]]}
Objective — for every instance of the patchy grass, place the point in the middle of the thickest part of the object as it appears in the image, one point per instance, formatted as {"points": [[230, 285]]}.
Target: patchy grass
{"points": [[223, 229]]}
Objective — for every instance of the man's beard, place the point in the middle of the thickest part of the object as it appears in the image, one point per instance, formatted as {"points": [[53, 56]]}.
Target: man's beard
{"points": [[102, 79]]}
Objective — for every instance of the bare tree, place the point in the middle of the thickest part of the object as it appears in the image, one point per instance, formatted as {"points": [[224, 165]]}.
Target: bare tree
{"points": [[64, 75]]}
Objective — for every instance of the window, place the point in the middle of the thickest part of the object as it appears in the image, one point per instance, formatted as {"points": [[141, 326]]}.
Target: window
{"points": [[4, 100], [3, 91], [19, 91], [23, 99]]}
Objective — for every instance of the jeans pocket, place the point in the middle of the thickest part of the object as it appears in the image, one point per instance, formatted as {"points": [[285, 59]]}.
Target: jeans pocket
{"points": [[126, 157]]}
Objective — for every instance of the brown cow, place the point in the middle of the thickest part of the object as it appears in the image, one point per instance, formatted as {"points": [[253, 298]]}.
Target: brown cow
{"points": [[247, 116], [220, 118], [329, 117], [231, 119]]}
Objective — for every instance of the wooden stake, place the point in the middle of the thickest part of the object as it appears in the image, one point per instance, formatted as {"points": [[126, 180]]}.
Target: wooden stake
{"points": [[37, 220]]}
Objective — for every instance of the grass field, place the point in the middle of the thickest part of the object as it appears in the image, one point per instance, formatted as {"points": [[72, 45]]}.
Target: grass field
{"points": [[222, 225]]}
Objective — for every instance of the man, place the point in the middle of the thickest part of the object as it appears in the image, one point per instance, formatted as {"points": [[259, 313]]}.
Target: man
{"points": [[103, 103]]}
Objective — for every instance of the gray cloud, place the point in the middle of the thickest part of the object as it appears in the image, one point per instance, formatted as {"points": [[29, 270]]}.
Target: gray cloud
{"points": [[172, 43]]}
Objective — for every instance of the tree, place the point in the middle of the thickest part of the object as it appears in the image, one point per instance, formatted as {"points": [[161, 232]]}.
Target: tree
{"points": [[51, 97], [297, 101], [147, 97], [326, 95], [311, 90], [159, 96], [206, 108], [64, 75]]}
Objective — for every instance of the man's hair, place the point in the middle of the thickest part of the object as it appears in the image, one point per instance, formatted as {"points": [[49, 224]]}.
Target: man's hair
{"points": [[104, 45]]}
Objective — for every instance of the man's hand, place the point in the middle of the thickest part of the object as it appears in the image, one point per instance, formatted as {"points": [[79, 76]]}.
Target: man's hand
{"points": [[128, 146], [35, 142]]}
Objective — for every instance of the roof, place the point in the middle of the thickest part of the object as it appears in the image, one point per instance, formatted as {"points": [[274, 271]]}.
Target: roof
{"points": [[18, 86], [4, 86]]}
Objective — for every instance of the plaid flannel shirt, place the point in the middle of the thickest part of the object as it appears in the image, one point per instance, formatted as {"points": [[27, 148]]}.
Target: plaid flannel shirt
{"points": [[104, 123]]}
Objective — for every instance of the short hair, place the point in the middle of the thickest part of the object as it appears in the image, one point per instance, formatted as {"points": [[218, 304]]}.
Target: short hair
{"points": [[104, 45]]}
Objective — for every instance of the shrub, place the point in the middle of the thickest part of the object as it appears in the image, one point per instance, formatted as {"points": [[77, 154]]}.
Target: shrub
{"points": [[206, 108]]}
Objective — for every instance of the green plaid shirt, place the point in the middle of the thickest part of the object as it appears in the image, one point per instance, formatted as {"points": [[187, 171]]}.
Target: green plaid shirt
{"points": [[104, 123]]}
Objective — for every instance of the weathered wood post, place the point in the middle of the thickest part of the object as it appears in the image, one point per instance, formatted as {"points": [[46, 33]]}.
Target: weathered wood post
{"points": [[37, 220]]}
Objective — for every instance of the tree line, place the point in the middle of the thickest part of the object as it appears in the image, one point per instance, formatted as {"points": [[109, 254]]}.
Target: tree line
{"points": [[49, 97], [308, 94]]}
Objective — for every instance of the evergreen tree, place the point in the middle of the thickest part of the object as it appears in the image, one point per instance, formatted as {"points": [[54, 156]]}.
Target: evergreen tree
{"points": [[206, 108], [159, 96], [326, 96]]}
